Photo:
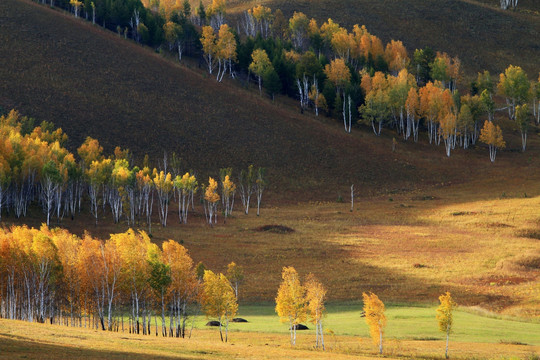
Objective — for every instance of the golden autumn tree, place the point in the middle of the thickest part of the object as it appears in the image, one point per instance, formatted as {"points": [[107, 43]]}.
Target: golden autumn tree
{"points": [[339, 75], [218, 300], [491, 135], [164, 188], [445, 317], [183, 289], [235, 274], [226, 51], [448, 130], [291, 301], [396, 56], [135, 251], [228, 189], [209, 47], [375, 318], [186, 186], [412, 105], [211, 200], [315, 297]]}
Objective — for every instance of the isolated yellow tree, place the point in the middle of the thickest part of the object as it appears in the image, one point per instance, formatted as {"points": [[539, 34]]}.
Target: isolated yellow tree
{"points": [[290, 300], [491, 135], [218, 300], [315, 297], [444, 316], [375, 318]]}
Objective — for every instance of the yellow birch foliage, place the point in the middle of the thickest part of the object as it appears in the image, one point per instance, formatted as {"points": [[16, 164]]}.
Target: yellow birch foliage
{"points": [[218, 299], [226, 44], [375, 318], [290, 299], [396, 56], [315, 297], [211, 194], [338, 73], [491, 134], [444, 312], [208, 41], [90, 151]]}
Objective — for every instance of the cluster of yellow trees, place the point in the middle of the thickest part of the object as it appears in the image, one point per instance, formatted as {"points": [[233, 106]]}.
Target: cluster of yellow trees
{"points": [[294, 301], [448, 116], [35, 166], [118, 284], [393, 97]]}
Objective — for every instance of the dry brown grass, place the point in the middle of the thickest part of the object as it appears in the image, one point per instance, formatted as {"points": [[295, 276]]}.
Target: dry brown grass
{"points": [[35, 341]]}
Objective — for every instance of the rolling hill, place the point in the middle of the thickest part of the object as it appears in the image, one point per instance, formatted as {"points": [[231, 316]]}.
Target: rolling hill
{"points": [[91, 82]]}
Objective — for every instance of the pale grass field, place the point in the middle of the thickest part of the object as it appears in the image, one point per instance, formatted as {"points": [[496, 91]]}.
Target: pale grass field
{"points": [[20, 340]]}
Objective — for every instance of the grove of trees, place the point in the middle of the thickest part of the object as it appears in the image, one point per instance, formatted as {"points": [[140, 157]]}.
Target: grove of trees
{"points": [[36, 168]]}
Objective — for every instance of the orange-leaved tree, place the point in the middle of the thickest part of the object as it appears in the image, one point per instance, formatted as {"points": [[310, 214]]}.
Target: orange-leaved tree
{"points": [[491, 135]]}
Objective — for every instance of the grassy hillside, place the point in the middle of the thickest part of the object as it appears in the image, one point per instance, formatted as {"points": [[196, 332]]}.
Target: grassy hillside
{"points": [[93, 83], [483, 36]]}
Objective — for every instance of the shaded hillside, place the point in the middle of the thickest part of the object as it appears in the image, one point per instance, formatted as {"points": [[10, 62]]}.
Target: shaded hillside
{"points": [[483, 36], [93, 83]]}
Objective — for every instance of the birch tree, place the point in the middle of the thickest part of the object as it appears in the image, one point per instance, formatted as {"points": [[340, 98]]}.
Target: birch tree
{"points": [[290, 301], [375, 318], [247, 183], [491, 135], [339, 75], [445, 316], [514, 86], [315, 298], [235, 274], [522, 117], [260, 65], [218, 300], [211, 200], [209, 47]]}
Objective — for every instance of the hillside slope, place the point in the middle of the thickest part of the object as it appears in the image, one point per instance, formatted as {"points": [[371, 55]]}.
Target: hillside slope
{"points": [[93, 83], [483, 36]]}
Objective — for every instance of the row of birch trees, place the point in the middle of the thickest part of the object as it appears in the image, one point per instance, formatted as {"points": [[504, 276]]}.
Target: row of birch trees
{"points": [[35, 167], [296, 301], [123, 283]]}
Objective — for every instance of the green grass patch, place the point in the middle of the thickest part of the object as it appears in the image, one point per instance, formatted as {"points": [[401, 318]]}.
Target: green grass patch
{"points": [[404, 322]]}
